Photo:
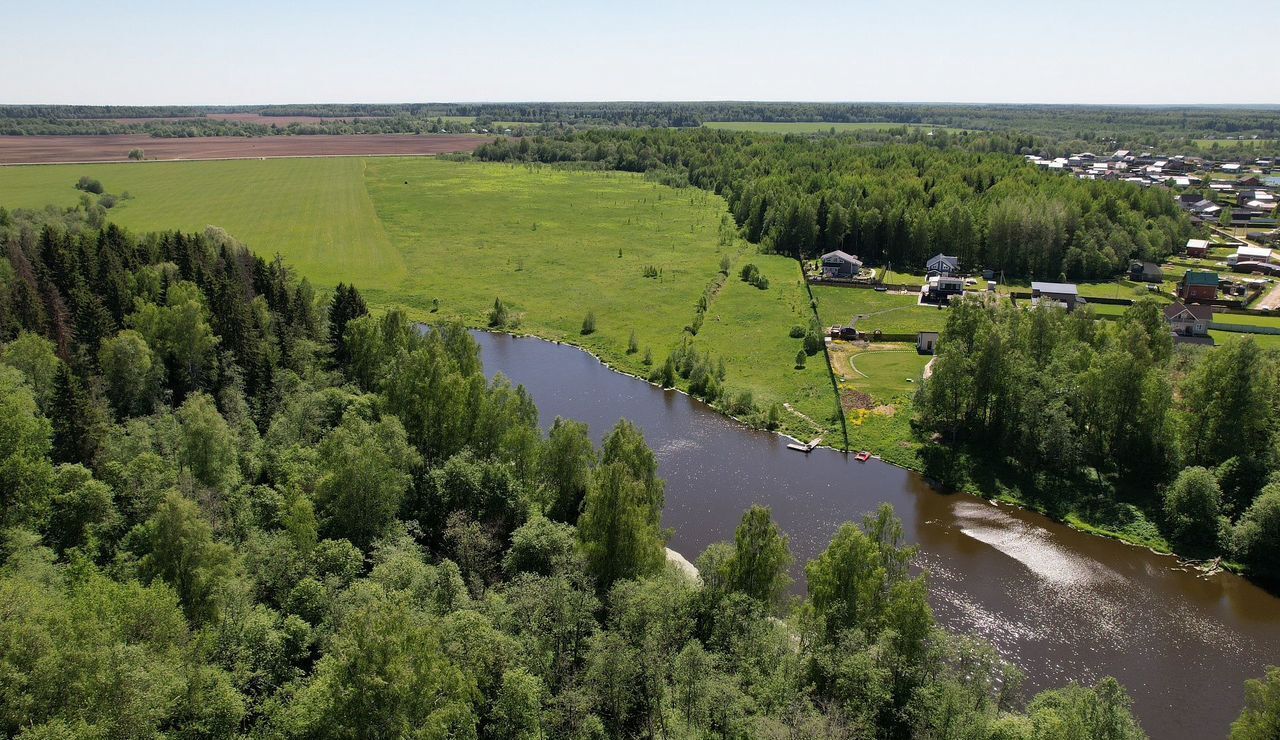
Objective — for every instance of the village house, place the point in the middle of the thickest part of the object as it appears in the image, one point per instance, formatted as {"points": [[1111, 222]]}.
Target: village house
{"points": [[1145, 272], [1198, 248], [1250, 255], [1189, 321], [1063, 295], [940, 288], [941, 264], [1198, 285], [840, 264]]}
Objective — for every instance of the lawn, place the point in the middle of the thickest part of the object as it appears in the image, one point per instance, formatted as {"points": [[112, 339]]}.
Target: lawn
{"points": [[877, 383], [1271, 322], [891, 313], [814, 127], [1266, 341], [749, 328]]}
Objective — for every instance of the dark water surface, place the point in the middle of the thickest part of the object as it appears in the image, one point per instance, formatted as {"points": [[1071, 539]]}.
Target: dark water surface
{"points": [[1061, 604]]}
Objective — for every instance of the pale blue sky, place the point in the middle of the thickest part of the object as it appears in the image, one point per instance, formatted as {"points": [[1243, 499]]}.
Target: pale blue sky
{"points": [[240, 52]]}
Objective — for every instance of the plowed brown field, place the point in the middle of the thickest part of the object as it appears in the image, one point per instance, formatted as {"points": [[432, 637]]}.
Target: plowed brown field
{"points": [[49, 149]]}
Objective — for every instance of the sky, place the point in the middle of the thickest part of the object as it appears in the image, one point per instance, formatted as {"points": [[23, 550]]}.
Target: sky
{"points": [[229, 52]]}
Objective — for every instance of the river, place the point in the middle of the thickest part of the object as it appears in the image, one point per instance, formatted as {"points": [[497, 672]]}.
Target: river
{"points": [[1060, 604]]}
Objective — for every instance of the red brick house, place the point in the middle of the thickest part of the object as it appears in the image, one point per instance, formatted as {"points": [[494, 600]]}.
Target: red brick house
{"points": [[1198, 286]]}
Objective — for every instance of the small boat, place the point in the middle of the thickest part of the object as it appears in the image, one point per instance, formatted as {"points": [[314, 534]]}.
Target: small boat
{"points": [[862, 456]]}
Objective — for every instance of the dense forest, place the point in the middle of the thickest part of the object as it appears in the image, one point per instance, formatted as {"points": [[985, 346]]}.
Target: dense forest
{"points": [[1074, 412], [897, 204], [230, 506], [1180, 129]]}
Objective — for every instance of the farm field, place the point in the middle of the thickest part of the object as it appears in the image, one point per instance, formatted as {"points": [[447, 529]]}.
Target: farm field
{"points": [[814, 127], [552, 244], [116, 148], [314, 212], [749, 329], [891, 313]]}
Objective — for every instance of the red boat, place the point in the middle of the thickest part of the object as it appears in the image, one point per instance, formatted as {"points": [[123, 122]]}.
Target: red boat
{"points": [[862, 456]]}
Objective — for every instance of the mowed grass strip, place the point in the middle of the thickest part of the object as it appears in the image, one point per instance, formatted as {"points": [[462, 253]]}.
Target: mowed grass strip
{"points": [[553, 245], [750, 329], [315, 213], [891, 313]]}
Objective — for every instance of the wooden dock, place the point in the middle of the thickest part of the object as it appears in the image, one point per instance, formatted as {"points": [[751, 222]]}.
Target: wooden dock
{"points": [[805, 448]]}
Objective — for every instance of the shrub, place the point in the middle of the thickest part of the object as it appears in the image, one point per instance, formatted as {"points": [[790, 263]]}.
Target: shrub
{"points": [[89, 185], [137, 155], [725, 264], [800, 360], [797, 331], [107, 201], [749, 273], [774, 419], [589, 323], [812, 342], [648, 357], [498, 317], [632, 345]]}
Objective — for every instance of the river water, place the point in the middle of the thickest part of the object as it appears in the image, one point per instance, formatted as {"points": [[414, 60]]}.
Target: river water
{"points": [[1060, 604]]}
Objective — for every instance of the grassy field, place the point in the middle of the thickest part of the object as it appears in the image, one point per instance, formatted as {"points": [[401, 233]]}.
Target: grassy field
{"points": [[552, 244], [813, 127], [317, 213], [891, 313], [887, 374], [1271, 322], [749, 328]]}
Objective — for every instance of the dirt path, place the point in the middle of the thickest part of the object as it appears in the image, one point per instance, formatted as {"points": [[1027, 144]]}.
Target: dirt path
{"points": [[1271, 300]]}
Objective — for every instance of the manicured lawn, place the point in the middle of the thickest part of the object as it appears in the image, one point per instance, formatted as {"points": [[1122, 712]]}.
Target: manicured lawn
{"points": [[886, 374], [1266, 341], [891, 313], [749, 329], [877, 382], [813, 127], [1247, 320], [893, 277]]}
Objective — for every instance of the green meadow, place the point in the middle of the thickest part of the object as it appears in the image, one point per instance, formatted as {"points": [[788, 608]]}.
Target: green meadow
{"points": [[750, 329], [444, 239]]}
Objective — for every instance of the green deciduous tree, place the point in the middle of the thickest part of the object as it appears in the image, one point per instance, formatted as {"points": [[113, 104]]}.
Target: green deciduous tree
{"points": [[177, 547], [761, 558], [130, 373], [1192, 506], [364, 477], [207, 448], [565, 468], [619, 527], [1260, 719], [1256, 539]]}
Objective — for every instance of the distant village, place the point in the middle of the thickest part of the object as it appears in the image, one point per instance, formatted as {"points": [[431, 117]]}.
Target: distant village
{"points": [[1225, 283], [1245, 191]]}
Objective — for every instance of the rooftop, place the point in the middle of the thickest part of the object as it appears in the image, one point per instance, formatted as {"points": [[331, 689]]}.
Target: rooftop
{"points": [[1059, 288]]}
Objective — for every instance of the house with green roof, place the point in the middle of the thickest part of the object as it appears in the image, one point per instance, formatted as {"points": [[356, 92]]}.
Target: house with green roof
{"points": [[1198, 285]]}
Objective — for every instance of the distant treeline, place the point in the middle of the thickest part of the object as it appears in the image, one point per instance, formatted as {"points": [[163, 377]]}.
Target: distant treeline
{"points": [[1170, 127], [893, 203]]}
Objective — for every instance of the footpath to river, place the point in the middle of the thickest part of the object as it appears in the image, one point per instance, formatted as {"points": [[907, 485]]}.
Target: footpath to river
{"points": [[1063, 605]]}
